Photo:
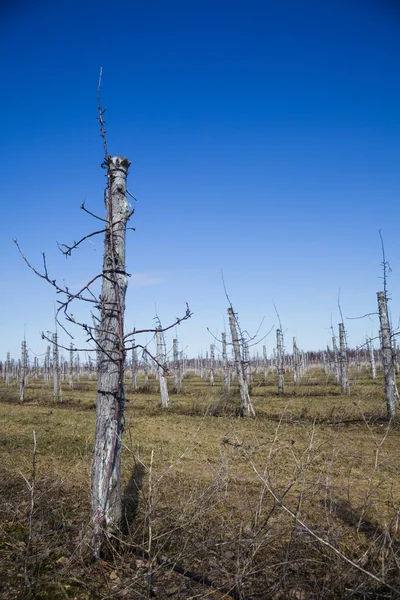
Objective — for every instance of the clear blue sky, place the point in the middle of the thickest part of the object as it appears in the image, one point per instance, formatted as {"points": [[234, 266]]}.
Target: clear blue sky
{"points": [[264, 138]]}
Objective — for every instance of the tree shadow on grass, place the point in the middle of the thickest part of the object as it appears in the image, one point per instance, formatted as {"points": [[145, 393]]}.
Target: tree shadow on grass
{"points": [[130, 497]]}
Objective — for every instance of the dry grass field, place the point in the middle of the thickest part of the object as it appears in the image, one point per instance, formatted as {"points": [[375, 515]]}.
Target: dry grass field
{"points": [[300, 502]]}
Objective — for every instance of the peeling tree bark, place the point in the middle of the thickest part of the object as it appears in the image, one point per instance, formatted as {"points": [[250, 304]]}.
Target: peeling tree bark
{"points": [[387, 356], [106, 490]]}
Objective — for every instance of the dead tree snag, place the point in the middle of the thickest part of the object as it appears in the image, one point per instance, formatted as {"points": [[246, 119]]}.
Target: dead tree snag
{"points": [[106, 491], [247, 407], [387, 356]]}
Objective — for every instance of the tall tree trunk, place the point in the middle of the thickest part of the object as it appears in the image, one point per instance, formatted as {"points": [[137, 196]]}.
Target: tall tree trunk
{"points": [[279, 361], [344, 366], [395, 356], [387, 356], [212, 363], [247, 407], [8, 368], [106, 489], [22, 375], [336, 374], [71, 367], [56, 373], [177, 367], [265, 363], [372, 357], [162, 361], [47, 366], [296, 363]]}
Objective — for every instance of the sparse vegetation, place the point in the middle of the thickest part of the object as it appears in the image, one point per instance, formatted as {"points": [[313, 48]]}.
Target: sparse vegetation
{"points": [[204, 492]]}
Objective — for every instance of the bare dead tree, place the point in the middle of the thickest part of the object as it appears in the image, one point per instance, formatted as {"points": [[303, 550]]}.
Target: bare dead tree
{"points": [[71, 366], [7, 369], [371, 353], [46, 366], [56, 372], [177, 367], [279, 362], [22, 375], [387, 355], [212, 363], [335, 357], [108, 340], [344, 365], [265, 363], [296, 363], [247, 407], [162, 368]]}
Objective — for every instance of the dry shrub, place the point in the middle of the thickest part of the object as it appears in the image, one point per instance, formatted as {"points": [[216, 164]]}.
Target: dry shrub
{"points": [[305, 506]]}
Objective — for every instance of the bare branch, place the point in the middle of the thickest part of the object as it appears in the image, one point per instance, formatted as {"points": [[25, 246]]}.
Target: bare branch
{"points": [[263, 338], [100, 118], [164, 367], [48, 339], [53, 282], [264, 478], [178, 321], [385, 265], [75, 245], [83, 207], [362, 317], [340, 308], [277, 314], [131, 195]]}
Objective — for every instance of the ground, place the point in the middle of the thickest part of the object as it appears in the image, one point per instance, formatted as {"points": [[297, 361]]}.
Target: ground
{"points": [[301, 501]]}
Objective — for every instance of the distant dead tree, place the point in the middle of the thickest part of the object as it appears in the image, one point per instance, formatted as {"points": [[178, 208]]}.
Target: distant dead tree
{"points": [[265, 363], [108, 339], [246, 404], [371, 354], [386, 338], [389, 372], [335, 357], [344, 364], [23, 371], [162, 366], [177, 367]]}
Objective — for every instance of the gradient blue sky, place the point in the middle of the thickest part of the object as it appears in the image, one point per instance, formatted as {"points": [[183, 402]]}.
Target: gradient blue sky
{"points": [[264, 139]]}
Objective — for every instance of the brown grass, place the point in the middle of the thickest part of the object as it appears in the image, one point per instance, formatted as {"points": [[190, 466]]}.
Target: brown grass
{"points": [[205, 489]]}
